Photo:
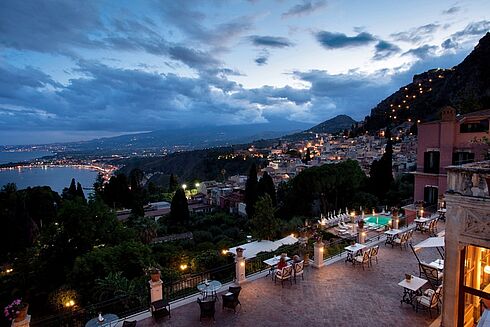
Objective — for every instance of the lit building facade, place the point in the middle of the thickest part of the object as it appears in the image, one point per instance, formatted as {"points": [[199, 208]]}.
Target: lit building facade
{"points": [[466, 294]]}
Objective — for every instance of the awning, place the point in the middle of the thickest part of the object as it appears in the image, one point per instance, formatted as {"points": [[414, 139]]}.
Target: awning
{"points": [[252, 248], [431, 242]]}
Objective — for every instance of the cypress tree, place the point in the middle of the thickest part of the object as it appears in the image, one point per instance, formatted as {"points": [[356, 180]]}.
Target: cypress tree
{"points": [[79, 191], [173, 183], [179, 208], [266, 186], [251, 194]]}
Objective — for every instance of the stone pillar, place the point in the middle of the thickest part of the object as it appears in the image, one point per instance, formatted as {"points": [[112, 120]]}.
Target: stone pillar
{"points": [[395, 220], [318, 254], [361, 237], [240, 266], [24, 323], [156, 290]]}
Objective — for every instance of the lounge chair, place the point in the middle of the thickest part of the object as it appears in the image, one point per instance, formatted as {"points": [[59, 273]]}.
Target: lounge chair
{"points": [[284, 274], [230, 299], [207, 308]]}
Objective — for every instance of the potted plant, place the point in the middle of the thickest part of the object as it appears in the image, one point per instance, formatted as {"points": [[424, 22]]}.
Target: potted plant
{"points": [[154, 274], [16, 311]]}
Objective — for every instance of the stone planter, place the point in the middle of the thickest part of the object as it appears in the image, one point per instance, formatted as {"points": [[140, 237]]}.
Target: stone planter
{"points": [[155, 276], [21, 316]]}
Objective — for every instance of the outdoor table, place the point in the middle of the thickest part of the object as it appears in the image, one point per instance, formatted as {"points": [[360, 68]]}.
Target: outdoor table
{"points": [[210, 286], [438, 264], [352, 251], [411, 289], [272, 262], [420, 222], [108, 319], [390, 235]]}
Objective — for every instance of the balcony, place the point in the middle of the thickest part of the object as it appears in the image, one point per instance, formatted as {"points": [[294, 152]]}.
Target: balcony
{"points": [[469, 179]]}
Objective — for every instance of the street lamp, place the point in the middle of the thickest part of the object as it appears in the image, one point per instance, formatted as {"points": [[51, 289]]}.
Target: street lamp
{"points": [[197, 185]]}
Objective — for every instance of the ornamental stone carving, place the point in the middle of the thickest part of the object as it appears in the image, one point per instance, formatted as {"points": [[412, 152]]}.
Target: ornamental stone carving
{"points": [[477, 224]]}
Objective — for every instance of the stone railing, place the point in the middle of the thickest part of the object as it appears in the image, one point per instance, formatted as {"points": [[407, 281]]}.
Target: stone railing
{"points": [[469, 179]]}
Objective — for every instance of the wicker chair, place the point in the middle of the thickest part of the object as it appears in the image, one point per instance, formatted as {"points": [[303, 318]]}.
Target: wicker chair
{"points": [[401, 241], [230, 300], [160, 309], [207, 308], [284, 274], [374, 254]]}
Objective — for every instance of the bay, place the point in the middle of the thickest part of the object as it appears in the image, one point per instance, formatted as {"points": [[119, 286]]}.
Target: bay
{"points": [[21, 156], [55, 177]]}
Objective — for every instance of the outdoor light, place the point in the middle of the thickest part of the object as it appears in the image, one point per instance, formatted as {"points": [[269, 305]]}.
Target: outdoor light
{"points": [[184, 186], [183, 267], [321, 249], [197, 185], [292, 234], [69, 303], [487, 269], [242, 264], [9, 270], [224, 251]]}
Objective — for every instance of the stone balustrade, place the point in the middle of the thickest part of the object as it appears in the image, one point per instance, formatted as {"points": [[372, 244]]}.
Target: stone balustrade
{"points": [[469, 179]]}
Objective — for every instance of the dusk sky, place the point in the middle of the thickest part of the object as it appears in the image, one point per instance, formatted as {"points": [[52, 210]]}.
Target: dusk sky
{"points": [[73, 70]]}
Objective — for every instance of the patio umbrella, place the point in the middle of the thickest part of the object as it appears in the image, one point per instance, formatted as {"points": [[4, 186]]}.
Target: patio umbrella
{"points": [[431, 242]]}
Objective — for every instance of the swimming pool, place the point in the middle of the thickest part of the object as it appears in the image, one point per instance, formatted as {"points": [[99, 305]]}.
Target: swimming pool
{"points": [[378, 220]]}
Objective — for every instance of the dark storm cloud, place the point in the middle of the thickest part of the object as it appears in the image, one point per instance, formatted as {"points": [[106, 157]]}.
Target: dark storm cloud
{"points": [[305, 8], [416, 34], [471, 32], [331, 40], [384, 49], [270, 41]]}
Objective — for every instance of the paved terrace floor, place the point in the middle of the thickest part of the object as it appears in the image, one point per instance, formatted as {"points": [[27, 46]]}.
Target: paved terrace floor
{"points": [[339, 294]]}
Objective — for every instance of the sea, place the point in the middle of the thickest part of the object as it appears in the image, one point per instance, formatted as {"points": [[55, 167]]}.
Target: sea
{"points": [[55, 177]]}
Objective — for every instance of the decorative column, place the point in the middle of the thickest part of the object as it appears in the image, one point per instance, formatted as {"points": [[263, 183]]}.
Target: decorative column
{"points": [[24, 323], [156, 287], [318, 254], [395, 219], [240, 266]]}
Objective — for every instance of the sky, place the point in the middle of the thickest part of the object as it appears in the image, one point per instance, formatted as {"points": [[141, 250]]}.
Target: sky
{"points": [[72, 70]]}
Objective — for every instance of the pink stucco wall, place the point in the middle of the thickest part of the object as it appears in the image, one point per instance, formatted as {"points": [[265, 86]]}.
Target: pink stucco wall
{"points": [[445, 137]]}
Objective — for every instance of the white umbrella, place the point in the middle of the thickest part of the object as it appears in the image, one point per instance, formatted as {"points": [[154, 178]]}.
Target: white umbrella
{"points": [[431, 242]]}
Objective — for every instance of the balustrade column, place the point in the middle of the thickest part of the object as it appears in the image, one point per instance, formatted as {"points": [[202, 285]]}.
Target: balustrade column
{"points": [[318, 255]]}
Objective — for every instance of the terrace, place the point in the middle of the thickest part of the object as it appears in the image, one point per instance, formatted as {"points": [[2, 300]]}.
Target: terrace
{"points": [[338, 294]]}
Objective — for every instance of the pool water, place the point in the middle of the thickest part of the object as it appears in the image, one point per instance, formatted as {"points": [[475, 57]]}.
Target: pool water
{"points": [[379, 220]]}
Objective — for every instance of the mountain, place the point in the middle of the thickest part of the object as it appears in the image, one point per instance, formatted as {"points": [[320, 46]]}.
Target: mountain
{"points": [[466, 87], [334, 125], [187, 138]]}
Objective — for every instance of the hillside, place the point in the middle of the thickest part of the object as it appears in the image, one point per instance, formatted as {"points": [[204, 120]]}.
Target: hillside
{"points": [[466, 87], [334, 125]]}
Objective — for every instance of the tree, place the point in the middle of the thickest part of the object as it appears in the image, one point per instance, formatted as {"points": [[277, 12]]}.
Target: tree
{"points": [[71, 192], [179, 209], [79, 191], [99, 185], [251, 191], [381, 172], [265, 225], [266, 186], [173, 183]]}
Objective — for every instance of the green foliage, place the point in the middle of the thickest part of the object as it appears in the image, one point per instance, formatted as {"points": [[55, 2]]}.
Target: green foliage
{"points": [[265, 225], [145, 228], [266, 186], [173, 184]]}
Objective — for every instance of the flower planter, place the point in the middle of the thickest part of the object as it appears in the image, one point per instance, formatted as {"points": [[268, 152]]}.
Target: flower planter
{"points": [[22, 313], [155, 276]]}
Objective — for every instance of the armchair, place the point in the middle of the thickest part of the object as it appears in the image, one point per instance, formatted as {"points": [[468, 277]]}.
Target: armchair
{"points": [[207, 308], [230, 299]]}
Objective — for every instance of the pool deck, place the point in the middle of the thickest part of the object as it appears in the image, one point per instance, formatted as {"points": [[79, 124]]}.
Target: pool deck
{"points": [[338, 294]]}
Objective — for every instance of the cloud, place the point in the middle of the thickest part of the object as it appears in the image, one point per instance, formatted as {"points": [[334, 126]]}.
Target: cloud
{"points": [[452, 10], [417, 34], [270, 41], [422, 52], [262, 59], [331, 40], [472, 31], [305, 8], [384, 49]]}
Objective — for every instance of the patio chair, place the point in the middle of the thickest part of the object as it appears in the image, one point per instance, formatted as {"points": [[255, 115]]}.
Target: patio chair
{"points": [[230, 299], [362, 259], [284, 274], [374, 254], [207, 308], [400, 241], [129, 323], [298, 269], [433, 275], [160, 309], [428, 301]]}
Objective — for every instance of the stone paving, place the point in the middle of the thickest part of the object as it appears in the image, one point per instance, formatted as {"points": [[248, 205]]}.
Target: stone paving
{"points": [[339, 294]]}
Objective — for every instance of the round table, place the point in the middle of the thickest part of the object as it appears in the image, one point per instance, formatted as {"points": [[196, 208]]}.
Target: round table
{"points": [[211, 286], [108, 318]]}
